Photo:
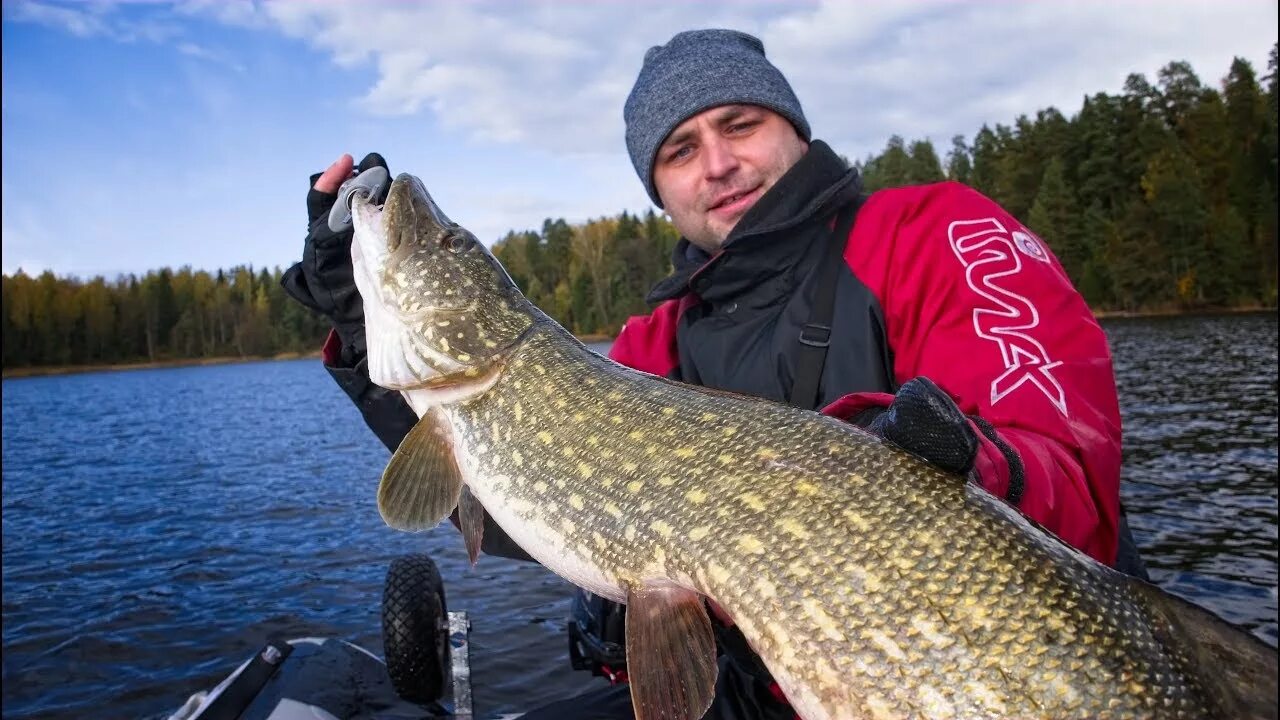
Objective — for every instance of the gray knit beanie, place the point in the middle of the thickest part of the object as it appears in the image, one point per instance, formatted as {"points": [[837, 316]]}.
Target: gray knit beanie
{"points": [[695, 71]]}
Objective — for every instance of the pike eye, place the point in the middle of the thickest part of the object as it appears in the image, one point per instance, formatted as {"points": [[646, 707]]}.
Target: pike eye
{"points": [[455, 243]]}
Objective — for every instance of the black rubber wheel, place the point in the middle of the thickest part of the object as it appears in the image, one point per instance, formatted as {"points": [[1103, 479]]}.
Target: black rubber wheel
{"points": [[415, 629]]}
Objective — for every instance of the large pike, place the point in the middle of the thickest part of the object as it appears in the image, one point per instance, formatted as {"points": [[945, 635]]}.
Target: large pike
{"points": [[871, 584]]}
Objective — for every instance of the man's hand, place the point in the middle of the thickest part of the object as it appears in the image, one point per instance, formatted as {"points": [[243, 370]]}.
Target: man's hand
{"points": [[924, 421], [328, 182], [324, 280]]}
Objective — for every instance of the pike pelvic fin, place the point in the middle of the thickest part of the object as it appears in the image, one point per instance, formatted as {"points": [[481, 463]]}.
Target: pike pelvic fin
{"points": [[422, 483], [671, 653], [1238, 669], [471, 523]]}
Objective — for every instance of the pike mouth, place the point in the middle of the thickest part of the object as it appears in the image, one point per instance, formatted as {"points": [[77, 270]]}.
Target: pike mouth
{"points": [[367, 253]]}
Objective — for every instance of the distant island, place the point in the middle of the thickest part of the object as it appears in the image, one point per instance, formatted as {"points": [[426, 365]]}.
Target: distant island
{"points": [[1161, 199]]}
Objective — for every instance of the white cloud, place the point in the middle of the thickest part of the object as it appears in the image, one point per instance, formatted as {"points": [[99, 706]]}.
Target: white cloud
{"points": [[81, 23], [203, 53], [554, 76]]}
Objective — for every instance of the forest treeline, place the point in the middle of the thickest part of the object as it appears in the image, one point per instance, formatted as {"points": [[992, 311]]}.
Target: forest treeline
{"points": [[1162, 197]]}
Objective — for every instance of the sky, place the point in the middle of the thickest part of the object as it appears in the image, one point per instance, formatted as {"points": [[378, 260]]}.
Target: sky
{"points": [[142, 134]]}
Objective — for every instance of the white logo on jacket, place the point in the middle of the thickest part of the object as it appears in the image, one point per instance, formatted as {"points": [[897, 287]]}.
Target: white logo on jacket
{"points": [[989, 252]]}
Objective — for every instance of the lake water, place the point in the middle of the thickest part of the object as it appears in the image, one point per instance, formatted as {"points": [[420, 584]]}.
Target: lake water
{"points": [[159, 525]]}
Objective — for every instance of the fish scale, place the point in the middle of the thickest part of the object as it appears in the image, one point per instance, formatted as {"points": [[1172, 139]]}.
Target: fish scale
{"points": [[872, 584]]}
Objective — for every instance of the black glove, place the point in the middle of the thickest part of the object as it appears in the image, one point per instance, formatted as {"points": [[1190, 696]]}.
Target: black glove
{"points": [[924, 421], [324, 280]]}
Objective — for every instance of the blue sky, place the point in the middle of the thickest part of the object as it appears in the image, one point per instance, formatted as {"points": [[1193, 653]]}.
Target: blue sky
{"points": [[143, 134]]}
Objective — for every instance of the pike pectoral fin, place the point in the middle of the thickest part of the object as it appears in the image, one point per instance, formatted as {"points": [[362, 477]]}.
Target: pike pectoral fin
{"points": [[421, 484], [1238, 668], [671, 653], [471, 523]]}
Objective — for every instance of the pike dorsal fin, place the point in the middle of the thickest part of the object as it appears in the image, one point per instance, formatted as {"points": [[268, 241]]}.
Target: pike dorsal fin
{"points": [[1235, 667], [471, 523], [671, 653], [422, 483]]}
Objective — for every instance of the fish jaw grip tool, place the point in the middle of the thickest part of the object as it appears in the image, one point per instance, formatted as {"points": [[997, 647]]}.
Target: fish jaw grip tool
{"points": [[371, 184]]}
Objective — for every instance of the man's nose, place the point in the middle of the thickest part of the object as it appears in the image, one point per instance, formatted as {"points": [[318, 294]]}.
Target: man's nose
{"points": [[718, 158]]}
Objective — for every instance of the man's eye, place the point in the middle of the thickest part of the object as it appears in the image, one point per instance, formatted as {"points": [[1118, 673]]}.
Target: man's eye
{"points": [[680, 153]]}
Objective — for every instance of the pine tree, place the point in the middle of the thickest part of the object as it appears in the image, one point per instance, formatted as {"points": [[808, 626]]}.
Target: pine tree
{"points": [[1055, 217]]}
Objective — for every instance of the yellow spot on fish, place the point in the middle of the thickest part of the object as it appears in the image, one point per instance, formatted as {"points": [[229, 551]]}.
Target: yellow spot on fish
{"points": [[471, 372], [717, 573], [630, 466], [824, 621], [699, 532], [463, 357], [585, 470], [545, 437], [636, 434], [575, 500], [635, 486], [519, 411], [613, 510], [794, 528], [629, 532], [541, 370], [872, 583], [805, 487], [666, 481], [750, 544], [517, 458], [567, 451], [727, 460], [668, 411], [659, 556], [443, 323], [707, 417], [729, 431], [766, 588], [540, 486], [560, 404], [857, 520], [767, 454], [568, 526], [615, 419], [684, 452], [696, 496], [883, 642], [752, 501], [490, 344], [614, 395], [444, 345]]}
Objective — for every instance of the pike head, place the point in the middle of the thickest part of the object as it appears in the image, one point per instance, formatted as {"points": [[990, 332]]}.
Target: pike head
{"points": [[439, 309]]}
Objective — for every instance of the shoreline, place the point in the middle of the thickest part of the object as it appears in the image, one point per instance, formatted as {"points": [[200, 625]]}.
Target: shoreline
{"points": [[1111, 314], [41, 371]]}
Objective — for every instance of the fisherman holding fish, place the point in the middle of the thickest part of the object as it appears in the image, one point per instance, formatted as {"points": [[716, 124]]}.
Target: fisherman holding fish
{"points": [[928, 314]]}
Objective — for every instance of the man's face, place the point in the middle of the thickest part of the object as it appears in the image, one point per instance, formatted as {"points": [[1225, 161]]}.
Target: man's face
{"points": [[714, 166]]}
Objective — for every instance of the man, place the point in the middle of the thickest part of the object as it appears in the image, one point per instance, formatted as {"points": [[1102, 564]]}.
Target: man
{"points": [[928, 314]]}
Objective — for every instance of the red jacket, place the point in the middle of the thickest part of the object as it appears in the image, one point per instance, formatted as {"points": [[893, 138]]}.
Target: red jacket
{"points": [[974, 301]]}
